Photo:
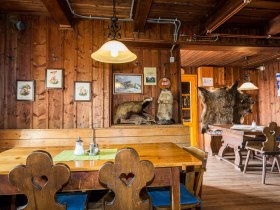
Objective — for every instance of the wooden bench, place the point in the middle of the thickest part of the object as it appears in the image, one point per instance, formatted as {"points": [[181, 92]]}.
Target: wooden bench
{"points": [[128, 134], [10, 138], [123, 134]]}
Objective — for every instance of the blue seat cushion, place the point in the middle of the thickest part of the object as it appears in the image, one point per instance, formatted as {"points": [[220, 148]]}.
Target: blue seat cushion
{"points": [[73, 200], [161, 196]]}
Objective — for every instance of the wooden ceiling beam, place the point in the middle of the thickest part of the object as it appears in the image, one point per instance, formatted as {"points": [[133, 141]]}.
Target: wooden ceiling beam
{"points": [[233, 48], [142, 12], [59, 11], [224, 12], [274, 26]]}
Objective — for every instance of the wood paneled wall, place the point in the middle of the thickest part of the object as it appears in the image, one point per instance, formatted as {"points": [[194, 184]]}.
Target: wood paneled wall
{"points": [[269, 101], [24, 55], [158, 58], [230, 75]]}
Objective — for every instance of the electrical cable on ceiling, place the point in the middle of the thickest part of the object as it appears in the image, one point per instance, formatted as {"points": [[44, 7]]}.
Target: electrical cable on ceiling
{"points": [[175, 22], [199, 38]]}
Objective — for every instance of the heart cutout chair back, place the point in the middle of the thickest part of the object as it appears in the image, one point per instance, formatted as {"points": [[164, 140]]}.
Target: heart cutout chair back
{"points": [[126, 178], [39, 180]]}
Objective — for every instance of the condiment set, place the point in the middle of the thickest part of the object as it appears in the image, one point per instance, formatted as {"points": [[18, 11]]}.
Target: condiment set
{"points": [[79, 148]]}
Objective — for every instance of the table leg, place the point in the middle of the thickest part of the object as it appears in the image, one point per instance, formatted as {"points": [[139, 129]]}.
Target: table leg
{"points": [[175, 188], [222, 151], [238, 158]]}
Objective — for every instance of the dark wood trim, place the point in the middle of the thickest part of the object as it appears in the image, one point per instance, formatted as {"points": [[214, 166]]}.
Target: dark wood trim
{"points": [[59, 11], [223, 12], [224, 47], [141, 15]]}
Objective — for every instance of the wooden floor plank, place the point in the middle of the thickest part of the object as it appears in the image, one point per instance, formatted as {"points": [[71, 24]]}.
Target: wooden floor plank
{"points": [[226, 188]]}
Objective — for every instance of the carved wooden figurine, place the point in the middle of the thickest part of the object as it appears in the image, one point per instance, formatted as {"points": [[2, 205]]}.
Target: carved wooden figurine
{"points": [[165, 103]]}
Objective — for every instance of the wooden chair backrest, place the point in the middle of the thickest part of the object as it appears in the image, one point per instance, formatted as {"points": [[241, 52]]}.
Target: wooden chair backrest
{"points": [[271, 133], [126, 178], [194, 175], [39, 180]]}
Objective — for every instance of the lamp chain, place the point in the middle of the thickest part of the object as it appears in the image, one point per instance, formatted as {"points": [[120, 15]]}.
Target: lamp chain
{"points": [[247, 73], [114, 27]]}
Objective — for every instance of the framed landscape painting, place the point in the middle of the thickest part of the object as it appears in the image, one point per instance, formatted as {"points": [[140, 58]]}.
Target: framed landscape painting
{"points": [[54, 78], [127, 83], [82, 91], [25, 90], [150, 76]]}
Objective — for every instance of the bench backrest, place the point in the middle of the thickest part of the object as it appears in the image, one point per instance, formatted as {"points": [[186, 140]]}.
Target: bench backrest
{"points": [[10, 138]]}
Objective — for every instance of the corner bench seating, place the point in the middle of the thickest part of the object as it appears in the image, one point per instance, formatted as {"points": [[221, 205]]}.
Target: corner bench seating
{"points": [[176, 133]]}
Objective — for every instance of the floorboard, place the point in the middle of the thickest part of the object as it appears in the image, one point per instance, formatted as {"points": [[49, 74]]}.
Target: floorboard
{"points": [[226, 188]]}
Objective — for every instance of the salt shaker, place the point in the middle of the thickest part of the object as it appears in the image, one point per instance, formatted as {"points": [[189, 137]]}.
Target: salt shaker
{"points": [[93, 149], [254, 124], [79, 149]]}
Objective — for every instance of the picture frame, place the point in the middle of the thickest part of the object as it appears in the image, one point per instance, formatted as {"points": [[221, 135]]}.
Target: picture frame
{"points": [[25, 90], [127, 83], [150, 76], [82, 91], [54, 78]]}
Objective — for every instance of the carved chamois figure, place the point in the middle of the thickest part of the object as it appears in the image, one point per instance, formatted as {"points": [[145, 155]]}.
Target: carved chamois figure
{"points": [[224, 106]]}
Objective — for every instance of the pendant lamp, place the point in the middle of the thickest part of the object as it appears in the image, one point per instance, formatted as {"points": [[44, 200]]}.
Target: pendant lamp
{"points": [[114, 51], [247, 85]]}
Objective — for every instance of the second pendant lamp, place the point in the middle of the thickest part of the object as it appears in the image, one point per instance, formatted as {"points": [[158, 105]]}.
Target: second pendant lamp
{"points": [[247, 85]]}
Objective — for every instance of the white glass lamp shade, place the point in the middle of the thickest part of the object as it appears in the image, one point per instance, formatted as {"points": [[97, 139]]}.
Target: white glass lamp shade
{"points": [[248, 86], [113, 52]]}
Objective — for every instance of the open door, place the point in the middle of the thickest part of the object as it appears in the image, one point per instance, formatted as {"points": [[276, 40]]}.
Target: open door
{"points": [[189, 105]]}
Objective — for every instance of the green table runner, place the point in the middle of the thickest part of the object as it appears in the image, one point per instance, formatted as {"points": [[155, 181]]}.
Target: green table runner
{"points": [[68, 155]]}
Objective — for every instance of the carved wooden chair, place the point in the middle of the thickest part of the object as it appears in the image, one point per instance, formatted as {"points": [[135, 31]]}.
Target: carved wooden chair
{"points": [[190, 190], [269, 148], [39, 180], [127, 178]]}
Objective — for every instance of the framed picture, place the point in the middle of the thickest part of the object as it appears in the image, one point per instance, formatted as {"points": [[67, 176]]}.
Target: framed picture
{"points": [[54, 78], [127, 83], [150, 76], [82, 91], [25, 90]]}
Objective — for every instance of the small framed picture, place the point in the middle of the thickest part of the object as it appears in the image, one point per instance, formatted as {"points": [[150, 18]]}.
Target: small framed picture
{"points": [[150, 76], [25, 90], [82, 91], [54, 78], [127, 83]]}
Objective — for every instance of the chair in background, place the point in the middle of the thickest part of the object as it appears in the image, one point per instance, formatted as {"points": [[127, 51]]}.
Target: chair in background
{"points": [[39, 180], [190, 191], [269, 148], [127, 178]]}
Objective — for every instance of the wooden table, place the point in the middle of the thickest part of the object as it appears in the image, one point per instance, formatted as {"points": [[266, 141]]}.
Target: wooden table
{"points": [[166, 157], [236, 139]]}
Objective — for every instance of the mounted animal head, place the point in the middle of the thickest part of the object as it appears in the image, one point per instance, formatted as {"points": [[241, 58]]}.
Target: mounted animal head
{"points": [[224, 106]]}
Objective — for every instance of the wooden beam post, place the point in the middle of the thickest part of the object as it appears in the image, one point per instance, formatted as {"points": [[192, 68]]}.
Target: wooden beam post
{"points": [[59, 11], [224, 12], [274, 26], [141, 15]]}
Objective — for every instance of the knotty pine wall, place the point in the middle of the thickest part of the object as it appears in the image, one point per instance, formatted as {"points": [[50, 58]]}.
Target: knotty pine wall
{"points": [[230, 75], [269, 101], [24, 55], [160, 60]]}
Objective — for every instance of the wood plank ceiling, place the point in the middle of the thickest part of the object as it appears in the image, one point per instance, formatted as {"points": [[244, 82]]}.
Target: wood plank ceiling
{"points": [[247, 23]]}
